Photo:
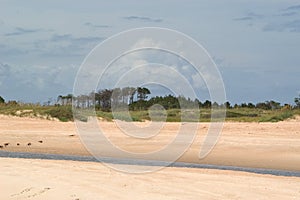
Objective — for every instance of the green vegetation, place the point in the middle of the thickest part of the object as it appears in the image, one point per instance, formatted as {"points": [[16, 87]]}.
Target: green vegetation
{"points": [[297, 101], [233, 114], [277, 116], [63, 113], [167, 108], [2, 100]]}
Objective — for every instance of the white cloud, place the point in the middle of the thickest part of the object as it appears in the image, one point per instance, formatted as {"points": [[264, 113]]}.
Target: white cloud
{"points": [[35, 83], [142, 18], [210, 22]]}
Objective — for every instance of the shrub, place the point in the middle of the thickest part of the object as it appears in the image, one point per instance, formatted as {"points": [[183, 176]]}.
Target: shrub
{"points": [[63, 113]]}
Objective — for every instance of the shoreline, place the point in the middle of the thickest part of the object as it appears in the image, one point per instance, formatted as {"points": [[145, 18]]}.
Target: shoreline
{"points": [[124, 161]]}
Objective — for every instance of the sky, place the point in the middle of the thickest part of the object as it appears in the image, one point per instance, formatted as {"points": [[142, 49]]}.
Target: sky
{"points": [[255, 44]]}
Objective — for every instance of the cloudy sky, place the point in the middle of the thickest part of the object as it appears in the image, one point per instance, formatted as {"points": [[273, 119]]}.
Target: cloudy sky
{"points": [[256, 44]]}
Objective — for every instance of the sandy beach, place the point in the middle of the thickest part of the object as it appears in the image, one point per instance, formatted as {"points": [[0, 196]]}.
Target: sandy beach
{"points": [[259, 145], [262, 145], [70, 180]]}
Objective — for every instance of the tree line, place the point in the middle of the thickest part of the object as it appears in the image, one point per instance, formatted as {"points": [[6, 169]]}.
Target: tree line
{"points": [[104, 99], [138, 99]]}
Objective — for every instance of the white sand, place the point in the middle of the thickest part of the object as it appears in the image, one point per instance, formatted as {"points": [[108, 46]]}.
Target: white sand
{"points": [[70, 180]]}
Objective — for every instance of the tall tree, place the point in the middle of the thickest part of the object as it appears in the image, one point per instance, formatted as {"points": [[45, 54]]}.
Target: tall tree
{"points": [[297, 101], [98, 100], [105, 98], [131, 92], [274, 105], [227, 105], [142, 93], [92, 98], [60, 100], [69, 98], [116, 97], [207, 104], [2, 100], [127, 94]]}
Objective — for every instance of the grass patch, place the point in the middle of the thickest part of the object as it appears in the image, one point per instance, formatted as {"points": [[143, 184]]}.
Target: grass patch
{"points": [[278, 116], [63, 113]]}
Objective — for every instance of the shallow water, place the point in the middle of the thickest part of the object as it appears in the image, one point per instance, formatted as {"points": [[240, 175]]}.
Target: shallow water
{"points": [[146, 162]]}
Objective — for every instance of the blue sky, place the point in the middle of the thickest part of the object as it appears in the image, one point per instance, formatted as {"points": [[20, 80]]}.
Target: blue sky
{"points": [[256, 44]]}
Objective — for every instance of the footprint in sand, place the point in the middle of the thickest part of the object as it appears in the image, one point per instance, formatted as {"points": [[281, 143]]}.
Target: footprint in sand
{"points": [[22, 192], [73, 196], [38, 193], [30, 193]]}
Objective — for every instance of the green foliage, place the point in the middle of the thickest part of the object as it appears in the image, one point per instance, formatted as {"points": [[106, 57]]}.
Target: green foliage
{"points": [[177, 109], [276, 117], [123, 115], [297, 101], [268, 105], [2, 100], [63, 113], [105, 115]]}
